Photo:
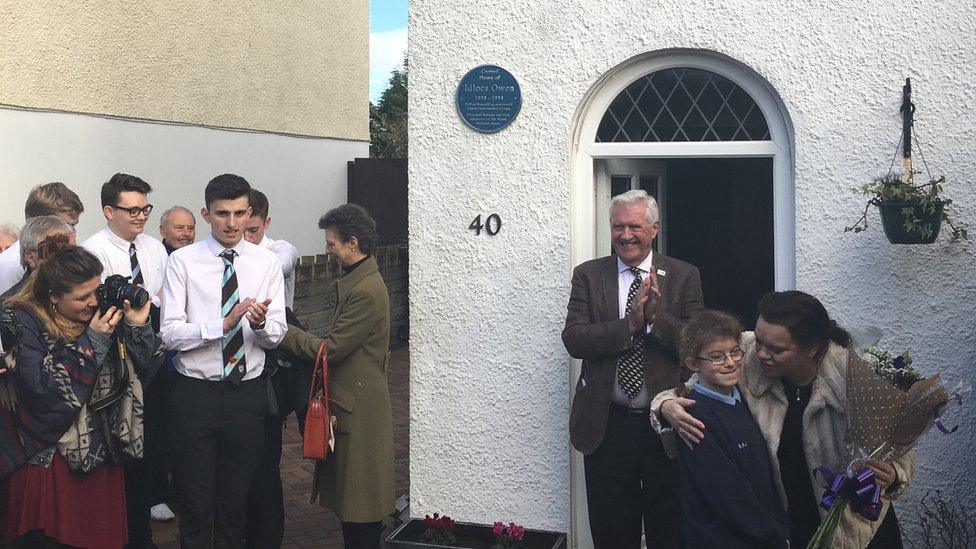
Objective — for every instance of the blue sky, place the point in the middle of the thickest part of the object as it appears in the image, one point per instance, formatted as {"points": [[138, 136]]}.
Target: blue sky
{"points": [[387, 42]]}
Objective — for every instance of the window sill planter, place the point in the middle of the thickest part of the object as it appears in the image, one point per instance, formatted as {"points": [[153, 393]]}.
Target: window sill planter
{"points": [[470, 536], [893, 219]]}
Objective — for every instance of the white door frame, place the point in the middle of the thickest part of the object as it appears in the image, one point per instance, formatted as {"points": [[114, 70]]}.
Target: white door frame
{"points": [[583, 198]]}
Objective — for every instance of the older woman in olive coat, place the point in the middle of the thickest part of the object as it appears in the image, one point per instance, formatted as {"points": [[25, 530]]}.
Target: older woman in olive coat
{"points": [[357, 481]]}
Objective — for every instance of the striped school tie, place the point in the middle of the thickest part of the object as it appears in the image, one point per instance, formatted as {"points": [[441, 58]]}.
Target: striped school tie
{"points": [[134, 263], [630, 363], [233, 342]]}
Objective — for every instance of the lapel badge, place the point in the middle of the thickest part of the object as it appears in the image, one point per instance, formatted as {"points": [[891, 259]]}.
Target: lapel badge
{"points": [[662, 272]]}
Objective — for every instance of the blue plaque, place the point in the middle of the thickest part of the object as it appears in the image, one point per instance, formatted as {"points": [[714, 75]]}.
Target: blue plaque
{"points": [[488, 98]]}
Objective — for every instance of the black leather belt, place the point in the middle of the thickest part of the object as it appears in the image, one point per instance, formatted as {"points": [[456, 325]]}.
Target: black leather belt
{"points": [[627, 411]]}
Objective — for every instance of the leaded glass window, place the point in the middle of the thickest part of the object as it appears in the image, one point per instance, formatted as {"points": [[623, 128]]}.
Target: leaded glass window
{"points": [[682, 104]]}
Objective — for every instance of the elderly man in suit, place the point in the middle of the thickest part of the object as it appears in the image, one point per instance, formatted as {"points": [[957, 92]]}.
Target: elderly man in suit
{"points": [[624, 316]]}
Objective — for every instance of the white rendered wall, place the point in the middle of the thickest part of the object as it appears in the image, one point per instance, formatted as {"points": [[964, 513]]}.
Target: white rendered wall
{"points": [[303, 177], [490, 383]]}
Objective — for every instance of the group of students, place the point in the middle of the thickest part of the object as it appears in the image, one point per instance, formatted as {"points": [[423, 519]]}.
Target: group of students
{"points": [[99, 402]]}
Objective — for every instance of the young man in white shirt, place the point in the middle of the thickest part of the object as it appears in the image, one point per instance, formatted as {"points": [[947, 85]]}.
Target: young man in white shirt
{"points": [[47, 199], [256, 233], [265, 502], [122, 245], [124, 249], [223, 305]]}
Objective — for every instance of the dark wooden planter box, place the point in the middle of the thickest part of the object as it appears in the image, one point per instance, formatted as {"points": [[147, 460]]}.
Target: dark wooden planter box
{"points": [[894, 223], [470, 536]]}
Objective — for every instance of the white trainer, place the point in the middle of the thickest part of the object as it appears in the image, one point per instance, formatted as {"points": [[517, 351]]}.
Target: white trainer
{"points": [[161, 513]]}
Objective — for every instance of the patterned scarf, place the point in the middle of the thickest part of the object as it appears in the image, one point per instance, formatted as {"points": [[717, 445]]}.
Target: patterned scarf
{"points": [[44, 396]]}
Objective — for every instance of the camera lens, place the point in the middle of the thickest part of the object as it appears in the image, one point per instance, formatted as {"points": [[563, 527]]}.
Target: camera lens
{"points": [[137, 296]]}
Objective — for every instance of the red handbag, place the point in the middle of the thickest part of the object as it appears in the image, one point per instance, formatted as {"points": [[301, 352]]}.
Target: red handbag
{"points": [[319, 438]]}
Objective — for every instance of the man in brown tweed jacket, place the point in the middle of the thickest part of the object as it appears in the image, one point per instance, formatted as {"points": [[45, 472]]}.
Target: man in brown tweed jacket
{"points": [[624, 315]]}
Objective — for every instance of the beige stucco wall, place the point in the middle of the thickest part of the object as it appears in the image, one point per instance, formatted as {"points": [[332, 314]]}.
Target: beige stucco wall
{"points": [[292, 66]]}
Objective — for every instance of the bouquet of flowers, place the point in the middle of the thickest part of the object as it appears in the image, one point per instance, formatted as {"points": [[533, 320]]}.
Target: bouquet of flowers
{"points": [[507, 537], [896, 370], [889, 407], [439, 530]]}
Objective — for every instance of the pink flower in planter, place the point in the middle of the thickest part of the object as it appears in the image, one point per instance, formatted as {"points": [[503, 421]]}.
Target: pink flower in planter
{"points": [[515, 531], [498, 529]]}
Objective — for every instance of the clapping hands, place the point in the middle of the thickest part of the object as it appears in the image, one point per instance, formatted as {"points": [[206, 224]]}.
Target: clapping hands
{"points": [[644, 308], [254, 310]]}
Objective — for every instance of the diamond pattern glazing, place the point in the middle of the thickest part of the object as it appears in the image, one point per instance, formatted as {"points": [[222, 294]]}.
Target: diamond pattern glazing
{"points": [[682, 104]]}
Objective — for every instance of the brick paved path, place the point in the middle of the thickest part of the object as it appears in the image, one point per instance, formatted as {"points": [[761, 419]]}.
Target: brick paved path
{"points": [[309, 525]]}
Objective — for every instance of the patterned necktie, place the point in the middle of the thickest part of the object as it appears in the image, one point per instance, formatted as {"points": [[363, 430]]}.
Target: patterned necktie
{"points": [[630, 363], [134, 263], [233, 342]]}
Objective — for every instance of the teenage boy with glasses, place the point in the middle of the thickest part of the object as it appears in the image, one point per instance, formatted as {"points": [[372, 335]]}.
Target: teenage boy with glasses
{"points": [[122, 246], [124, 249]]}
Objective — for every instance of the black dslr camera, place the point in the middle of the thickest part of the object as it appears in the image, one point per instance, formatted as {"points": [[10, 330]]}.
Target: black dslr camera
{"points": [[115, 290], [9, 330]]}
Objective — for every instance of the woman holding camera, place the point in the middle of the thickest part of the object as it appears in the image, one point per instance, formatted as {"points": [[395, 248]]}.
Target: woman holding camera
{"points": [[73, 406]]}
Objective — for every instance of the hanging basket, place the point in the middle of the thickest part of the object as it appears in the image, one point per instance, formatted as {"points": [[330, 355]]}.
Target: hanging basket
{"points": [[893, 220]]}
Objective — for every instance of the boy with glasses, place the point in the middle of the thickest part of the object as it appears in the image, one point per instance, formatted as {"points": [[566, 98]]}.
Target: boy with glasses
{"points": [[124, 249], [122, 246], [727, 489]]}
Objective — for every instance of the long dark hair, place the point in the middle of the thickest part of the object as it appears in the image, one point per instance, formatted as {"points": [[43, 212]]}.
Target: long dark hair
{"points": [[805, 317], [61, 268]]}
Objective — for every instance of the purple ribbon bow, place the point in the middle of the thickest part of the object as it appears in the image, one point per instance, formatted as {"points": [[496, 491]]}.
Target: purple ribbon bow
{"points": [[938, 414], [860, 490]]}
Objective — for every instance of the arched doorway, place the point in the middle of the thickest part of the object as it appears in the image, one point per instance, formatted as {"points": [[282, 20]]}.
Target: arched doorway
{"points": [[712, 141]]}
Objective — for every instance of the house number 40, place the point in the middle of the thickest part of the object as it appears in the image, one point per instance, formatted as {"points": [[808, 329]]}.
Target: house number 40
{"points": [[492, 225]]}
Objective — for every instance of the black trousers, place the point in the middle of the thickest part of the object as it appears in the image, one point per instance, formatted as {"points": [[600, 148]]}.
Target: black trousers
{"points": [[265, 501], [160, 434], [361, 535], [221, 439], [137, 504], [629, 479]]}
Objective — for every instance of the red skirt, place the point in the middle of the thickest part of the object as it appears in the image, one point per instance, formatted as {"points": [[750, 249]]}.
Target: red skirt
{"points": [[79, 510]]}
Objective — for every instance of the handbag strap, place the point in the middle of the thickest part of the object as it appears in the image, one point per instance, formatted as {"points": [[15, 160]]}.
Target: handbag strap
{"points": [[320, 372]]}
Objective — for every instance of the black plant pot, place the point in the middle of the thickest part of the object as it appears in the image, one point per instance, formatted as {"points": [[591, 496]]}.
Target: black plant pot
{"points": [[893, 220], [470, 536]]}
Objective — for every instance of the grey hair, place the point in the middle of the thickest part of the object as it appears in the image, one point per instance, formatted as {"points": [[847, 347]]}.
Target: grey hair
{"points": [[33, 233], [10, 229], [637, 196], [165, 217]]}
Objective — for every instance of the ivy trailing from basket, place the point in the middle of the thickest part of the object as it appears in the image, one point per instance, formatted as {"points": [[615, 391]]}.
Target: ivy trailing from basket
{"points": [[918, 197]]}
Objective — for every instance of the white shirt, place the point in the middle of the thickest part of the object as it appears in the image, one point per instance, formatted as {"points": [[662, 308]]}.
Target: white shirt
{"points": [[191, 320], [113, 251], [11, 271], [287, 255], [624, 279]]}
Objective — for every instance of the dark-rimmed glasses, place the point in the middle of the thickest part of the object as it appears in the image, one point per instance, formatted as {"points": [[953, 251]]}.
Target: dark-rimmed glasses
{"points": [[135, 210], [719, 358]]}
